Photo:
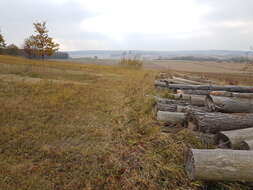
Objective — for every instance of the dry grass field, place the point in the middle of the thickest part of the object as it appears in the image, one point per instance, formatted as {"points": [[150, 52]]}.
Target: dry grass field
{"points": [[67, 126], [223, 73], [197, 66]]}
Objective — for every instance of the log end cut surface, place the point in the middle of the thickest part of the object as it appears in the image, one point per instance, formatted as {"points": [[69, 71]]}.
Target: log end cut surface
{"points": [[189, 165]]}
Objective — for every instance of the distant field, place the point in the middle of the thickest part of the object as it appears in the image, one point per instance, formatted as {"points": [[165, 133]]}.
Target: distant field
{"points": [[184, 66], [232, 73], [197, 66]]}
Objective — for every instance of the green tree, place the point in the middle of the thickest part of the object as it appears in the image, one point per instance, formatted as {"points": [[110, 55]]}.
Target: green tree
{"points": [[12, 49], [41, 42], [2, 43], [30, 47]]}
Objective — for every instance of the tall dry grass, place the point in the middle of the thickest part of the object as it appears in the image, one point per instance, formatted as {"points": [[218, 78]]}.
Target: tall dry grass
{"points": [[101, 135]]}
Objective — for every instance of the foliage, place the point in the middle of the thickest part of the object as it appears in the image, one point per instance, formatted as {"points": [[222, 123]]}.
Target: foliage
{"points": [[2, 43], [40, 44], [12, 49], [131, 62], [30, 47]]}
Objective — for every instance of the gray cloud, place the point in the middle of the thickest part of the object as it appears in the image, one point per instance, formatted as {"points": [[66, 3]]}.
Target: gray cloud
{"points": [[228, 25], [63, 19]]}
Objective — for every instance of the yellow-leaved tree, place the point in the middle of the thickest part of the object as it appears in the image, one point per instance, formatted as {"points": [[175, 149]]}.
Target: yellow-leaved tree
{"points": [[40, 44]]}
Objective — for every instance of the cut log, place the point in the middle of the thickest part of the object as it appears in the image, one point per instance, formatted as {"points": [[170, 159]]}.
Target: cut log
{"points": [[178, 108], [166, 107], [233, 139], [242, 89], [172, 117], [190, 108], [195, 100], [232, 94], [247, 145], [219, 165], [185, 81], [169, 101], [216, 122], [172, 81], [228, 105], [193, 92]]}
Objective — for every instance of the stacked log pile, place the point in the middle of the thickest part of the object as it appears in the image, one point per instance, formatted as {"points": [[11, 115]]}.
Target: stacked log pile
{"points": [[218, 115]]}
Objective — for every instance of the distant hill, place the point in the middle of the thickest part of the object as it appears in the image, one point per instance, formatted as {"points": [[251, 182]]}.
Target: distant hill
{"points": [[150, 55]]}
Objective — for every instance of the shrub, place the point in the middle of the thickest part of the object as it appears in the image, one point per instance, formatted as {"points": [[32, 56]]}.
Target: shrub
{"points": [[131, 62], [12, 50]]}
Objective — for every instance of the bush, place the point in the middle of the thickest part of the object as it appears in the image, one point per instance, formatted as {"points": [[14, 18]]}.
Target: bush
{"points": [[12, 50], [133, 63]]}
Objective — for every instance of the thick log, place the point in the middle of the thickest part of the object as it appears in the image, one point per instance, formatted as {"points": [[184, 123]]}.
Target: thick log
{"points": [[169, 101], [242, 89], [228, 105], [195, 100], [216, 122], [193, 92], [190, 108], [178, 108], [233, 139], [172, 81], [232, 94], [172, 117], [166, 107], [219, 165], [247, 145]]}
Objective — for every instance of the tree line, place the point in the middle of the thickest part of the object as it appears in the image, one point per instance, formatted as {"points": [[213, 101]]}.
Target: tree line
{"points": [[39, 45]]}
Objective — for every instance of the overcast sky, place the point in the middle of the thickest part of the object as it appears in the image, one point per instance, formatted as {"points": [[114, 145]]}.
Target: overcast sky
{"points": [[133, 24]]}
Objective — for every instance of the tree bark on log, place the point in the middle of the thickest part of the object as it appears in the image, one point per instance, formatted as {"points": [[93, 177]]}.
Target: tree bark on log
{"points": [[172, 81], [216, 122], [242, 89], [172, 117], [169, 101], [219, 165], [166, 107], [193, 92], [190, 108], [233, 139], [178, 108], [228, 105], [247, 145], [232, 94], [195, 100]]}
